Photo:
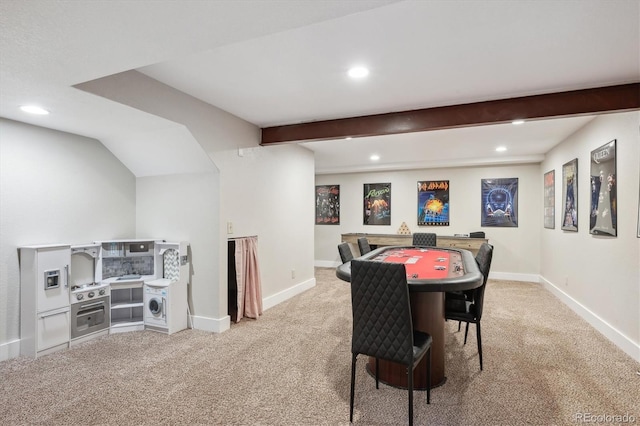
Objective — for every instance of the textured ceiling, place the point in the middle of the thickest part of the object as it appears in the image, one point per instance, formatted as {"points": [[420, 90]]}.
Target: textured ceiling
{"points": [[420, 53], [282, 62]]}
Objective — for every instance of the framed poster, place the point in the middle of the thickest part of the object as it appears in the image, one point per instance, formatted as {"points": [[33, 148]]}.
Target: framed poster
{"points": [[377, 204], [570, 196], [433, 203], [604, 201], [550, 199], [499, 201], [327, 204]]}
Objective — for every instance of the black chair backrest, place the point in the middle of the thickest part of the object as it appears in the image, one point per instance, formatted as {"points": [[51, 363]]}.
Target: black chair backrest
{"points": [[483, 259], [345, 252], [424, 239], [382, 325], [363, 245]]}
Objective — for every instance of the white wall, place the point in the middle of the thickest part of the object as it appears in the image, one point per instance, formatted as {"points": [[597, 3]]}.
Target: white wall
{"points": [[184, 207], [517, 250], [55, 187], [268, 192], [262, 193], [599, 276]]}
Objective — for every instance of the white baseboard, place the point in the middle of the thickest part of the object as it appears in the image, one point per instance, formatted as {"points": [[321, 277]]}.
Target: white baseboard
{"points": [[10, 350], [513, 276], [214, 325], [326, 264], [219, 325], [620, 340], [271, 301]]}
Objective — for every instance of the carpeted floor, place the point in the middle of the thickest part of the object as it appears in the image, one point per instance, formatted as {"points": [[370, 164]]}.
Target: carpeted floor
{"points": [[543, 365]]}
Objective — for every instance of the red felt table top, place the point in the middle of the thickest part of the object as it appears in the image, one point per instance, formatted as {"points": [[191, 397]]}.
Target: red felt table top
{"points": [[425, 263]]}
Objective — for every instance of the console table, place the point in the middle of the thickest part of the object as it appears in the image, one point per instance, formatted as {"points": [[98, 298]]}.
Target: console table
{"points": [[445, 241]]}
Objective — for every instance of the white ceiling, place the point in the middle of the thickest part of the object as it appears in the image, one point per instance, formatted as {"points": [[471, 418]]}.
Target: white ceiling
{"points": [[282, 62]]}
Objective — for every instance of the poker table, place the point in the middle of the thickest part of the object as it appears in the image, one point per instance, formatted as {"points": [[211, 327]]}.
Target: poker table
{"points": [[431, 271]]}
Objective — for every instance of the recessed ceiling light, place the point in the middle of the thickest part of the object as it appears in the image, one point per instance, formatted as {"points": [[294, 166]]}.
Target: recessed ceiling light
{"points": [[501, 148], [374, 157], [33, 109], [348, 138], [358, 72], [517, 122]]}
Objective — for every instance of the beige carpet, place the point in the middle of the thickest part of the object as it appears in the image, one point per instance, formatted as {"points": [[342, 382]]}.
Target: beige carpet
{"points": [[543, 365]]}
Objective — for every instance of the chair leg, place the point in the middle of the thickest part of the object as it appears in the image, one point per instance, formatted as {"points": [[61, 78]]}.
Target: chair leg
{"points": [[459, 324], [466, 331], [353, 385], [479, 343], [429, 376], [410, 380], [377, 372]]}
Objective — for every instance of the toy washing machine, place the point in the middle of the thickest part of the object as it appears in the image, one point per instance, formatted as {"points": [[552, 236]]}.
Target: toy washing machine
{"points": [[165, 305]]}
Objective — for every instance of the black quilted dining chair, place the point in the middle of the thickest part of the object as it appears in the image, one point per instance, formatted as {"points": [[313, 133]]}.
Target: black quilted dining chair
{"points": [[467, 306], [382, 325], [345, 252], [424, 239], [363, 245]]}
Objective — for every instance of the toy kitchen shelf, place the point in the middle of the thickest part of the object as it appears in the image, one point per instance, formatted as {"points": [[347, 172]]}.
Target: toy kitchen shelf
{"points": [[127, 306]]}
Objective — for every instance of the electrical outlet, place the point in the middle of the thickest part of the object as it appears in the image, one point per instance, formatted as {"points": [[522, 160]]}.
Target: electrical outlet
{"points": [[293, 273], [566, 281], [229, 227]]}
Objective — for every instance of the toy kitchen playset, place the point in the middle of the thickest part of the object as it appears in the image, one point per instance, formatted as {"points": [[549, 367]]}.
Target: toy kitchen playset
{"points": [[73, 293]]}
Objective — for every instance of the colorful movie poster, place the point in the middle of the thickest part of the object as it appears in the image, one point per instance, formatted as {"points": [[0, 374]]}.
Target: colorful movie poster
{"points": [[500, 202], [377, 204], [433, 203], [570, 196], [604, 201], [550, 199], [327, 204]]}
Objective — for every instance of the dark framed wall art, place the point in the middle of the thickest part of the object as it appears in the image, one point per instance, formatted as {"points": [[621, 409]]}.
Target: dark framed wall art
{"points": [[550, 199], [499, 202], [433, 203], [570, 196], [327, 204], [604, 198], [377, 204]]}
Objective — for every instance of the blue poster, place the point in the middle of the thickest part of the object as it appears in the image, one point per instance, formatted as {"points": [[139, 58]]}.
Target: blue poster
{"points": [[433, 203], [500, 202]]}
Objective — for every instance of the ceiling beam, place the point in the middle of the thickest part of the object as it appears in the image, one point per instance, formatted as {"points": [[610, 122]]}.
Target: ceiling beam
{"points": [[599, 100]]}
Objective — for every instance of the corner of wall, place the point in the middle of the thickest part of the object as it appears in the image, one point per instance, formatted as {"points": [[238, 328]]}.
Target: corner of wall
{"points": [[214, 325], [610, 332], [271, 301], [10, 350]]}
